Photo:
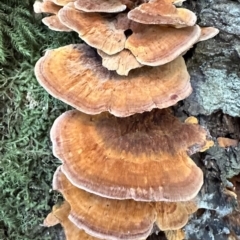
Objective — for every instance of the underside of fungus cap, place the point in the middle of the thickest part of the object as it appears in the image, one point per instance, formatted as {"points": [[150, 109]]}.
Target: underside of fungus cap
{"points": [[75, 75], [60, 215], [121, 62], [100, 6], [162, 12], [94, 29], [105, 218], [142, 157], [157, 45]]}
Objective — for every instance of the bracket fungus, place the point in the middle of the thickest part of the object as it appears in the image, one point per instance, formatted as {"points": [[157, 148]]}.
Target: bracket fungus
{"points": [[156, 45], [162, 12], [119, 219], [74, 74], [105, 6], [105, 218], [60, 214], [62, 2], [175, 235], [227, 142], [121, 62], [142, 157], [46, 7], [132, 170], [174, 215], [52, 21], [94, 29], [153, 43], [207, 33]]}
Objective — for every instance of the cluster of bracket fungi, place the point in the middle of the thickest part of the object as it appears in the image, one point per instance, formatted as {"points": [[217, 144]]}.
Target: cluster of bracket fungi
{"points": [[126, 169]]}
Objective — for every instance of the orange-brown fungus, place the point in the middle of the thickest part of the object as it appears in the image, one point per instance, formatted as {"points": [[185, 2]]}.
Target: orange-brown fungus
{"points": [[192, 120], [75, 75], [94, 29], [143, 157], [209, 143], [162, 12], [207, 33], [53, 23], [175, 235], [227, 142], [100, 6], [174, 215], [157, 45], [46, 7], [121, 62], [62, 2], [60, 214], [105, 218]]}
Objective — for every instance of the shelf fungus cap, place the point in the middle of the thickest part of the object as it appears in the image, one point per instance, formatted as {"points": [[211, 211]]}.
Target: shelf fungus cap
{"points": [[46, 7], [175, 234], [162, 12], [227, 142], [95, 29], [53, 23], [207, 33], [121, 62], [157, 45], [62, 2], [60, 215], [100, 6], [142, 157], [75, 75], [105, 218], [174, 215]]}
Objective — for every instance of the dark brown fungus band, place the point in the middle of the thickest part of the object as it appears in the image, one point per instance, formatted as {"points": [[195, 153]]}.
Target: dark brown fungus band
{"points": [[142, 157], [75, 75]]}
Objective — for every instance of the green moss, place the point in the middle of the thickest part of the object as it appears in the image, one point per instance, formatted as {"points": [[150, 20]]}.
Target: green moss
{"points": [[26, 115]]}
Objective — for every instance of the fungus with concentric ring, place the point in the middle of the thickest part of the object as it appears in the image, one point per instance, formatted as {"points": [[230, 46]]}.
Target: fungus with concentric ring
{"points": [[75, 75], [105, 218], [162, 12], [115, 219], [142, 157], [59, 214]]}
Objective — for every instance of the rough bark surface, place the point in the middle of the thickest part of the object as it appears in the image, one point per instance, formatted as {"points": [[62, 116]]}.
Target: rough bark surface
{"points": [[214, 66]]}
